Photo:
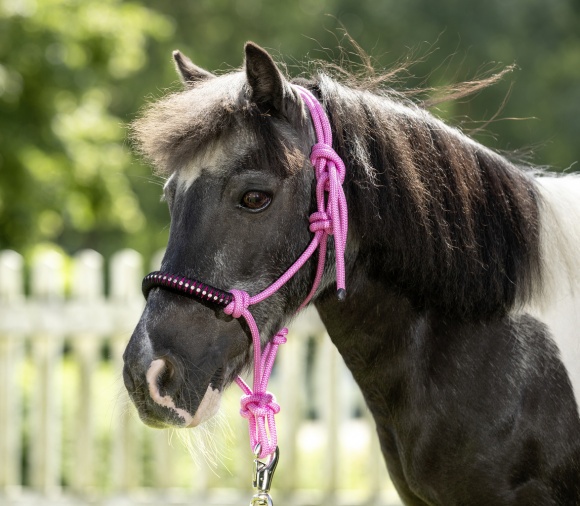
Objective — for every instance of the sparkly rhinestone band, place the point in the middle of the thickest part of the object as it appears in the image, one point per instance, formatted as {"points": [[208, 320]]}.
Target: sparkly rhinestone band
{"points": [[185, 286]]}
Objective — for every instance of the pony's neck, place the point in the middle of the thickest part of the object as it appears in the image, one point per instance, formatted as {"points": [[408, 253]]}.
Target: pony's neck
{"points": [[450, 224], [373, 329]]}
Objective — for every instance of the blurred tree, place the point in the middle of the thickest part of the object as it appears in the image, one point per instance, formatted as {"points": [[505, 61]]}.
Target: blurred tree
{"points": [[541, 38], [73, 73], [64, 170], [449, 41]]}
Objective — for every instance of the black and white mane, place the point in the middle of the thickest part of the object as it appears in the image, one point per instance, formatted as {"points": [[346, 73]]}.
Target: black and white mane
{"points": [[462, 316], [457, 224]]}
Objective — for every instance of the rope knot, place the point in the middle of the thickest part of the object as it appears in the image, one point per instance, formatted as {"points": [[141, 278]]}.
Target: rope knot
{"points": [[324, 152], [239, 304], [320, 221], [258, 405], [280, 337]]}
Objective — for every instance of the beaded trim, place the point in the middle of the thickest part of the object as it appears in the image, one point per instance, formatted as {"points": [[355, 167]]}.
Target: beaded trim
{"points": [[185, 286]]}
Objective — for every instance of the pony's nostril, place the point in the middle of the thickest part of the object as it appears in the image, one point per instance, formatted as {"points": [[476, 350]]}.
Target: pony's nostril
{"points": [[166, 376], [162, 376], [163, 383]]}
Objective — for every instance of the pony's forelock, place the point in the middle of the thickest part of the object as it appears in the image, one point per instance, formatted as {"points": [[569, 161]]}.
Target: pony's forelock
{"points": [[174, 130], [180, 124]]}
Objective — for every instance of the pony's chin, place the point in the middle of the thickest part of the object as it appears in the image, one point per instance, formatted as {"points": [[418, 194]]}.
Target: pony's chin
{"points": [[208, 407]]}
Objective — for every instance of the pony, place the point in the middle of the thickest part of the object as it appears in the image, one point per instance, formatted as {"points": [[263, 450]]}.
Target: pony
{"points": [[460, 321]]}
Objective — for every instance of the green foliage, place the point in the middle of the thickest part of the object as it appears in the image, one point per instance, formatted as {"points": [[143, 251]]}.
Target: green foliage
{"points": [[65, 171], [73, 73]]}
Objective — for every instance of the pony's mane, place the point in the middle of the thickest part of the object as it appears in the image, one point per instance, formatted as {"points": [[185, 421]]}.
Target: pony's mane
{"points": [[455, 224]]}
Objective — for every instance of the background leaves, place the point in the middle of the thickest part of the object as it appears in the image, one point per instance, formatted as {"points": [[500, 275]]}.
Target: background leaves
{"points": [[73, 73]]}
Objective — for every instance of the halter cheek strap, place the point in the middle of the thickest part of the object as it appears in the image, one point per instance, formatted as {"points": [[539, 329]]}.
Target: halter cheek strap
{"points": [[331, 218]]}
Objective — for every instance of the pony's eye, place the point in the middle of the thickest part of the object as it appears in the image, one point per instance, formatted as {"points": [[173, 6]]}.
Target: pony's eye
{"points": [[256, 200]]}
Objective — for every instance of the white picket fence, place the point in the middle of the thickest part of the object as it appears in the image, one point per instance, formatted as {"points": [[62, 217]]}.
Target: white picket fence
{"points": [[68, 434]]}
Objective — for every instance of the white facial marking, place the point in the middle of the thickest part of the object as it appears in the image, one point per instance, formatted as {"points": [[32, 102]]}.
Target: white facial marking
{"points": [[213, 159], [168, 180], [155, 370], [208, 406], [210, 160]]}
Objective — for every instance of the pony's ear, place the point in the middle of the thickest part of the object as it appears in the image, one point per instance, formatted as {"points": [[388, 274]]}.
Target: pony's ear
{"points": [[265, 80], [190, 73]]}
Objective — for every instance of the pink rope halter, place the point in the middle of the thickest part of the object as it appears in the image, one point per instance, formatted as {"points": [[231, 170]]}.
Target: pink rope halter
{"points": [[331, 218]]}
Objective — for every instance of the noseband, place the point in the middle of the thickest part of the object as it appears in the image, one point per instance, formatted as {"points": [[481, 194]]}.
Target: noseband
{"points": [[331, 218]]}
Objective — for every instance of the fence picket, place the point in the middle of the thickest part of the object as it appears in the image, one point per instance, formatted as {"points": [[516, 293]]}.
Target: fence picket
{"points": [[47, 289], [88, 294], [125, 282], [11, 277], [11, 351], [331, 420]]}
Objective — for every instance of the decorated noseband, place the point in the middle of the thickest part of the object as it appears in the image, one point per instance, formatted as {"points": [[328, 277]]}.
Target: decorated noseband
{"points": [[185, 286]]}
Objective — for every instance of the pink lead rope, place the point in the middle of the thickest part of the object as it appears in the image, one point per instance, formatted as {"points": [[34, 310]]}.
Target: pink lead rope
{"points": [[331, 218]]}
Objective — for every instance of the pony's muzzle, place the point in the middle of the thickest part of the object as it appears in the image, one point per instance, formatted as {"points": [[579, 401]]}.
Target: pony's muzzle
{"points": [[154, 385]]}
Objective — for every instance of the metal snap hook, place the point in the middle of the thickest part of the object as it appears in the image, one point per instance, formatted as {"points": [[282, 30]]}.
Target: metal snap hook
{"points": [[264, 473]]}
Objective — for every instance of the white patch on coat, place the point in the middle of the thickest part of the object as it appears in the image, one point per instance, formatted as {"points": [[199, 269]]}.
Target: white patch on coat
{"points": [[557, 303]]}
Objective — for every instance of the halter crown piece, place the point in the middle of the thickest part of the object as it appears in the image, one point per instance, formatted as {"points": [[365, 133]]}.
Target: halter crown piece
{"points": [[331, 218]]}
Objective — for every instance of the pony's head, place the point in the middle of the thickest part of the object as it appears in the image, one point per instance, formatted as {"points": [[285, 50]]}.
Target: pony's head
{"points": [[240, 186]]}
